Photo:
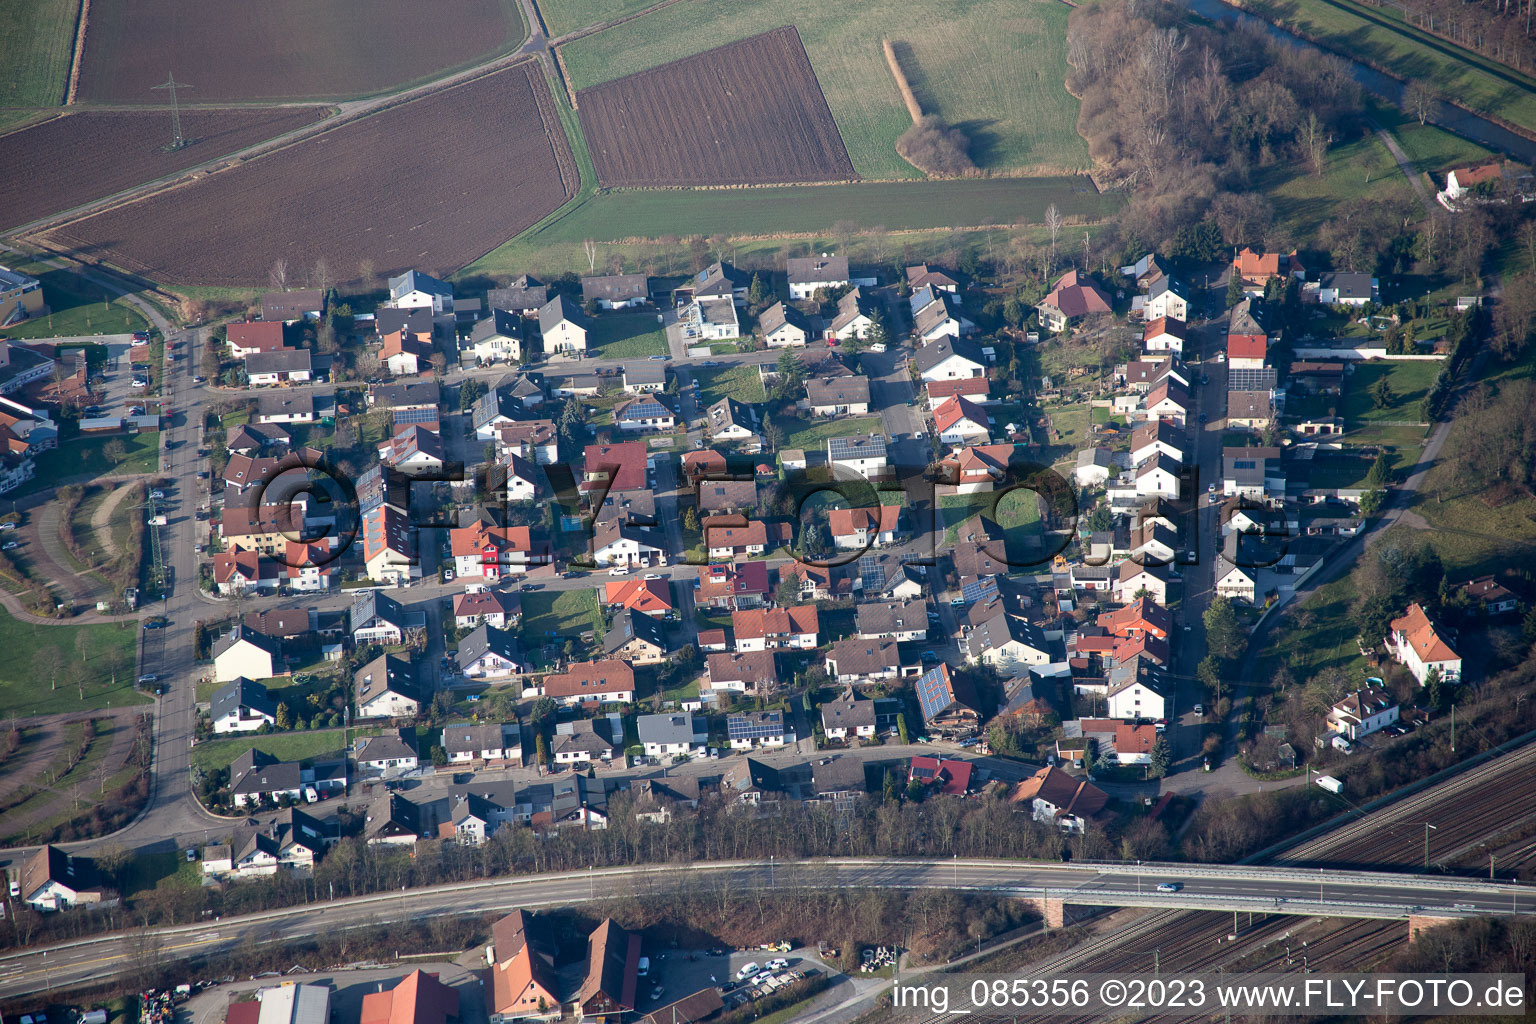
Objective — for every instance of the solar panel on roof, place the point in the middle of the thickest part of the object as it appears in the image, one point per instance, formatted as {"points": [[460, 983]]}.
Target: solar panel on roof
{"points": [[404, 417], [980, 590], [871, 571], [741, 728], [933, 691]]}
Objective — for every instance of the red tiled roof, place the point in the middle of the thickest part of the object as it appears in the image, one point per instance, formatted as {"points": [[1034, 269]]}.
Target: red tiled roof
{"points": [[845, 522], [591, 677], [646, 596], [625, 462], [954, 409], [1076, 295], [260, 335], [759, 622]]}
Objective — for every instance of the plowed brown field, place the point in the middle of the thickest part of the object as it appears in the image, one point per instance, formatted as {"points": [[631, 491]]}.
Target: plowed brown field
{"points": [[750, 113], [432, 184], [284, 49], [70, 160]]}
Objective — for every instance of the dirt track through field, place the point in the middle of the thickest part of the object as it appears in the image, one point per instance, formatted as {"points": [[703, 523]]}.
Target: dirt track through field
{"points": [[121, 743], [78, 54], [101, 519]]}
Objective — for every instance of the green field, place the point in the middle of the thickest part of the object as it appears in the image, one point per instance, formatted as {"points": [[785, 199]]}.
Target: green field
{"points": [[813, 434], [739, 382], [808, 210], [77, 308], [1409, 382], [625, 335], [993, 67], [285, 746], [563, 16], [87, 457], [1371, 35], [45, 667], [558, 615], [1357, 171], [37, 38]]}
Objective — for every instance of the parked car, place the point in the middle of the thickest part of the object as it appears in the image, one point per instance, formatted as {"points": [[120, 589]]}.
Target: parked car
{"points": [[776, 964], [618, 570], [747, 970], [10, 545], [1200, 709]]}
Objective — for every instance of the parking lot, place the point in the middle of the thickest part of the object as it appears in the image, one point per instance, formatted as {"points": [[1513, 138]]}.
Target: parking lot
{"points": [[681, 972]]}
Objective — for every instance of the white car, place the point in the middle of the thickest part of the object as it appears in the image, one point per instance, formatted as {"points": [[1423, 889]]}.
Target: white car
{"points": [[777, 964], [618, 570], [654, 576], [747, 970], [1169, 886]]}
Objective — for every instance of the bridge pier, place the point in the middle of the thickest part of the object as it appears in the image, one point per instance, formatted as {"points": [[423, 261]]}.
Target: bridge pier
{"points": [[1052, 911], [1423, 922]]}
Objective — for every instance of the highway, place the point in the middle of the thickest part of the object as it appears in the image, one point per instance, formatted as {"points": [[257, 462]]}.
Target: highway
{"points": [[1271, 890]]}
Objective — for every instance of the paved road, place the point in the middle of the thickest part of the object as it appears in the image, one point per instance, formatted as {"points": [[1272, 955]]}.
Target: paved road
{"points": [[1282, 890]]}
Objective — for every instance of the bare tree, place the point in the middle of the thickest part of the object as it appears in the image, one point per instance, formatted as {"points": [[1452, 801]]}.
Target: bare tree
{"points": [[1315, 140], [1420, 96], [1053, 225], [322, 274], [368, 274], [590, 248], [278, 275]]}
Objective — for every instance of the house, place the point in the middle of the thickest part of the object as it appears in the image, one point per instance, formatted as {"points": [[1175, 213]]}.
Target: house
{"points": [[808, 275], [1141, 617], [975, 389], [906, 621], [636, 638], [861, 456], [616, 291], [1164, 334], [254, 336], [1074, 295], [492, 552], [645, 412], [730, 420], [1054, 796], [673, 735], [490, 653], [608, 992], [505, 405], [948, 703], [493, 744], [525, 295], [1133, 742], [1158, 478], [393, 750], [993, 635], [563, 327], [750, 672], [291, 623], [944, 776], [645, 378], [1252, 409], [1144, 270], [587, 739], [1167, 400], [1156, 439], [1257, 269], [1340, 289], [415, 290], [1316, 378], [255, 776], [308, 567], [534, 440], [857, 529], [784, 326], [499, 338], [721, 280], [419, 998], [377, 618], [647, 597], [727, 537], [624, 544], [1254, 472], [711, 319], [838, 396], [1418, 643], [387, 687], [284, 366], [1137, 689], [1490, 596], [413, 450], [288, 307], [764, 629], [1237, 578], [1363, 712], [1149, 578], [731, 585], [524, 984], [1247, 339], [756, 729], [238, 571], [605, 682], [241, 705], [251, 439], [936, 314], [389, 546], [855, 317], [1464, 182], [850, 717], [1094, 466], [950, 359], [614, 468], [406, 353], [1167, 297], [856, 661], [245, 652], [959, 421]]}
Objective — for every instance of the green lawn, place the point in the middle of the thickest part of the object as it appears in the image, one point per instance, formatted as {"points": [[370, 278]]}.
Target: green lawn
{"points": [[626, 335], [1371, 35], [944, 207], [739, 382], [37, 38], [992, 67], [802, 433], [1327, 640], [1071, 422], [558, 615], [1409, 381], [1343, 470], [1017, 512], [169, 870], [285, 746], [1355, 172], [77, 307], [45, 668], [86, 457]]}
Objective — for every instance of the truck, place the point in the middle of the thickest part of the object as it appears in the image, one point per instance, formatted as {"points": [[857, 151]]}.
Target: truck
{"points": [[1330, 783]]}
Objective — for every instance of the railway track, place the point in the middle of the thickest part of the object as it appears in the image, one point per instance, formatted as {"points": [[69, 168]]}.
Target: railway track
{"points": [[1497, 795]]}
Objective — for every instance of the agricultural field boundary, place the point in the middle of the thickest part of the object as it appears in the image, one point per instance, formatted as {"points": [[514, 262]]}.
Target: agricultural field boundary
{"points": [[78, 54]]}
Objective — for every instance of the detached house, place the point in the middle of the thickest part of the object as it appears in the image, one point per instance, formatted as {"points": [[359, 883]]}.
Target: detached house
{"points": [[283, 366], [1167, 297], [1164, 334], [254, 336], [858, 456], [243, 652], [499, 338], [491, 552], [949, 704], [1339, 289], [616, 291], [387, 687], [784, 326], [751, 672], [564, 327], [603, 682], [51, 879], [850, 717], [1416, 642], [730, 420], [1053, 796], [838, 396], [950, 359], [241, 706], [637, 639], [673, 735], [959, 421], [761, 629], [906, 621], [756, 729], [1074, 295], [857, 661], [860, 528], [1363, 712], [524, 295], [491, 653], [806, 276], [414, 290], [855, 317], [645, 413], [491, 744]]}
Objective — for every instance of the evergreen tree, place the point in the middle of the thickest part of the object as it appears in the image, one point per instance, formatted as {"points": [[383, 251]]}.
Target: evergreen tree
{"points": [[788, 592], [541, 748], [758, 294], [1160, 756], [284, 716], [691, 519], [1381, 393], [901, 727], [1380, 472], [1528, 625], [1234, 288], [1223, 635]]}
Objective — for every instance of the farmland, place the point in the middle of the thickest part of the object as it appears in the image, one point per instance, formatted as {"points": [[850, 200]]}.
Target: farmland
{"points": [[485, 159], [284, 49], [36, 36], [70, 160], [747, 113], [964, 63]]}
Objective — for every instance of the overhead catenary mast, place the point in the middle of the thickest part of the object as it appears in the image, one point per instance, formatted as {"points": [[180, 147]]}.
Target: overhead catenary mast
{"points": [[171, 85]]}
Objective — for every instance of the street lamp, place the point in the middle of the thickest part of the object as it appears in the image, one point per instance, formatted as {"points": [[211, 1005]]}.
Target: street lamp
{"points": [[1427, 827]]}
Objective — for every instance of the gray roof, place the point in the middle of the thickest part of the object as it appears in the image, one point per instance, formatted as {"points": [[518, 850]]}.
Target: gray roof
{"points": [[848, 712], [256, 772], [291, 305], [499, 324], [879, 618], [416, 320], [719, 278], [1166, 283], [525, 292], [388, 673], [837, 391], [838, 775], [287, 403], [489, 639], [370, 605], [472, 737], [674, 728], [645, 407], [935, 352], [392, 743], [1349, 286], [935, 313], [416, 281], [405, 395], [562, 308], [849, 308], [1245, 318], [615, 287], [811, 269], [778, 314], [243, 632], [860, 447], [646, 372], [594, 735], [718, 495], [629, 625], [241, 693], [730, 413]]}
